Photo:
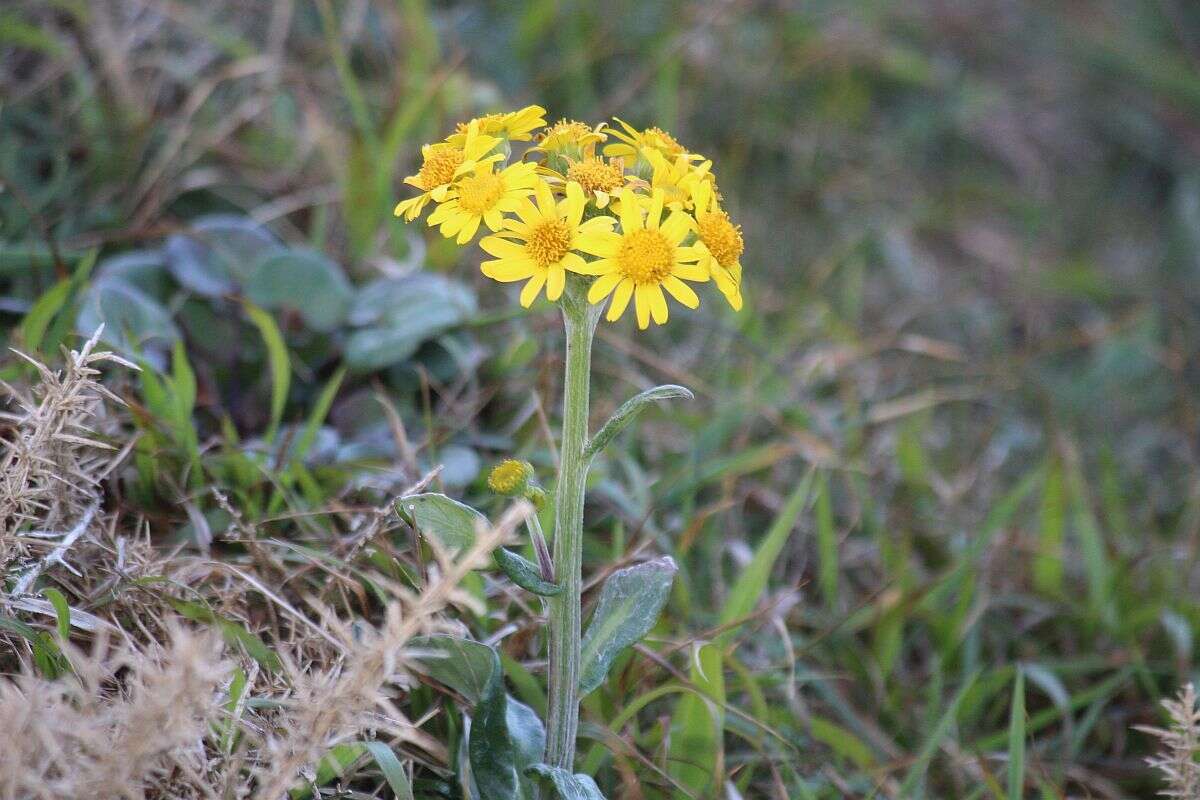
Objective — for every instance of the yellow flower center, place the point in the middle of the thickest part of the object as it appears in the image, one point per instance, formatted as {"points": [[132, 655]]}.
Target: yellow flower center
{"points": [[508, 476], [595, 175], [722, 238], [478, 193], [661, 140], [645, 257], [439, 166], [548, 242]]}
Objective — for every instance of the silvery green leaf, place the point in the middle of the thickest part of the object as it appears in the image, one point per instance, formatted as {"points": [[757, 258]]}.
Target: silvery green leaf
{"points": [[133, 321], [217, 252], [525, 573], [629, 411], [303, 280], [629, 604], [566, 785], [450, 522]]}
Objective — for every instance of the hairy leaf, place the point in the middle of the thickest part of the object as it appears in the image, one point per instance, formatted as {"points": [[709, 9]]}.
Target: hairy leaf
{"points": [[525, 573], [629, 411], [451, 523], [629, 604]]}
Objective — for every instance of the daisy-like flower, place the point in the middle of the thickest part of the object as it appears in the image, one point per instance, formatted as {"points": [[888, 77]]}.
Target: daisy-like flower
{"points": [[633, 142], [678, 178], [539, 244], [483, 196], [515, 126], [599, 178], [570, 139], [442, 163], [647, 256], [719, 243]]}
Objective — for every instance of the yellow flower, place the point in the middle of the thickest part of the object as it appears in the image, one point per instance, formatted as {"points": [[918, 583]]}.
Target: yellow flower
{"points": [[515, 126], [678, 178], [642, 260], [573, 139], [510, 477], [483, 196], [538, 244], [599, 178], [719, 243], [443, 162], [633, 142]]}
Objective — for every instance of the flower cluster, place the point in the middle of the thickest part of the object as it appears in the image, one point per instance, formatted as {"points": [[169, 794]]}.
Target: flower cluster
{"points": [[632, 208]]}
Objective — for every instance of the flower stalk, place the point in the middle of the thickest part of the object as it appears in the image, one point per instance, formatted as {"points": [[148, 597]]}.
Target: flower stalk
{"points": [[579, 320]]}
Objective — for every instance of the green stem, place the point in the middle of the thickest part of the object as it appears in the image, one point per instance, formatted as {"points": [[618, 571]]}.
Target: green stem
{"points": [[579, 319]]}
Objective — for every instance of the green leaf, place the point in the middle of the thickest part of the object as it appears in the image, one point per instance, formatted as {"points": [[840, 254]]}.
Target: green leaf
{"points": [[305, 281], [1016, 739], [1048, 562], [277, 357], [33, 326], [397, 315], [392, 769], [629, 604], [506, 736], [566, 785], [465, 666], [448, 521], [133, 320], [697, 756], [629, 411], [752, 583], [842, 742], [317, 416], [62, 610], [525, 573], [827, 545], [940, 731]]}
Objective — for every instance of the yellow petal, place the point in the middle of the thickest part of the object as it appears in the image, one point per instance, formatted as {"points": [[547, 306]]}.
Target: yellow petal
{"points": [[603, 287], [641, 305], [501, 248], [556, 279], [631, 215], [681, 291], [575, 203], [470, 226], [676, 227], [620, 300], [658, 303], [508, 269], [545, 200], [530, 292], [690, 272], [494, 219], [654, 214], [598, 243]]}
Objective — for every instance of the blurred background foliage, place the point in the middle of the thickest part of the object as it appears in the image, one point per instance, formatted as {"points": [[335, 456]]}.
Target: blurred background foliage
{"points": [[973, 307]]}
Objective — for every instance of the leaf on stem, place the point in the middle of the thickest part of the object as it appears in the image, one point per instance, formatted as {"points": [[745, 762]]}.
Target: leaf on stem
{"points": [[628, 607], [525, 573], [629, 411]]}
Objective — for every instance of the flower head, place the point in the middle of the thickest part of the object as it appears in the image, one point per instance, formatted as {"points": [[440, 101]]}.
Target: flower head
{"points": [[598, 177], [633, 142], [646, 257], [677, 178], [483, 196], [515, 126], [510, 478], [539, 246], [570, 139], [444, 162], [719, 243]]}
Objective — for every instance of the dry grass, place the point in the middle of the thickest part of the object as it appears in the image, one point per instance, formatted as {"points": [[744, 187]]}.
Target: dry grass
{"points": [[52, 463], [1180, 744], [146, 707]]}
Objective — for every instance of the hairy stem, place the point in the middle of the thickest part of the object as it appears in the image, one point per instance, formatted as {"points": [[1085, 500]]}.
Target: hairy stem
{"points": [[579, 319]]}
